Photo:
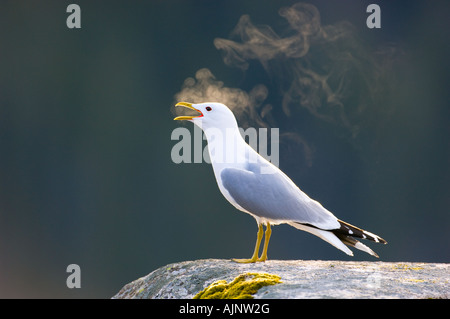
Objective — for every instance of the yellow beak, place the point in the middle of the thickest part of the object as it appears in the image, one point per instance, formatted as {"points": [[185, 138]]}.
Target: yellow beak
{"points": [[189, 106]]}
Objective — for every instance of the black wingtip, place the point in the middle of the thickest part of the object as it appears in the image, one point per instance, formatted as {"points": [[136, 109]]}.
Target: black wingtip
{"points": [[350, 230]]}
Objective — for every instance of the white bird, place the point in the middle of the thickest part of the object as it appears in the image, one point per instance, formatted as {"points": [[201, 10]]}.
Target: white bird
{"points": [[257, 187]]}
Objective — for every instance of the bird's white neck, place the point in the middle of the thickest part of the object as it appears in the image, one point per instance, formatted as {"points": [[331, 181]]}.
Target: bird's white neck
{"points": [[227, 148]]}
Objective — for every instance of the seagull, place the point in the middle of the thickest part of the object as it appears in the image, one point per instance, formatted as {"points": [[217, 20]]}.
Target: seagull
{"points": [[255, 186]]}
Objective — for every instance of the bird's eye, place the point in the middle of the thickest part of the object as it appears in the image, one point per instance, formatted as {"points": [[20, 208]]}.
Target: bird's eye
{"points": [[208, 108]]}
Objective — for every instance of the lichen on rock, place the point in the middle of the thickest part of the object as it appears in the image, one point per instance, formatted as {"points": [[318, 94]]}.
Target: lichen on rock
{"points": [[243, 286]]}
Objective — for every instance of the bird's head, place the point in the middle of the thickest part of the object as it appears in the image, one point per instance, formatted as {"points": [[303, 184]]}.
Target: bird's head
{"points": [[209, 115]]}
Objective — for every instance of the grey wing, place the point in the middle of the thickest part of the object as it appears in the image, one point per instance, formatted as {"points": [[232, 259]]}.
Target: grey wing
{"points": [[275, 197]]}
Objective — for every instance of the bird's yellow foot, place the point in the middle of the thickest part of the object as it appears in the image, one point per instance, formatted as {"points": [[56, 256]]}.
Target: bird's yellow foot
{"points": [[258, 242], [245, 261], [262, 258], [249, 260]]}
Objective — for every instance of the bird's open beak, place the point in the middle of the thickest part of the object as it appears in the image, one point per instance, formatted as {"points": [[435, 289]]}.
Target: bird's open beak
{"points": [[189, 106]]}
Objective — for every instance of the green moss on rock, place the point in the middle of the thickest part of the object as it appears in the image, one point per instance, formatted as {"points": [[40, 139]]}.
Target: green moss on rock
{"points": [[243, 286]]}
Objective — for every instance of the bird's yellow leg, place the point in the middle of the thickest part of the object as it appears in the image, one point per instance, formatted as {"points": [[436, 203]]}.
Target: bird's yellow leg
{"points": [[256, 251], [266, 243]]}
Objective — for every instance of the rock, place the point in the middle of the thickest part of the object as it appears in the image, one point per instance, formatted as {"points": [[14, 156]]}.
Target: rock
{"points": [[299, 279]]}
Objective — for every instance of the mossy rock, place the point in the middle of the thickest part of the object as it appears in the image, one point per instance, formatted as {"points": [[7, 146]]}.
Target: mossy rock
{"points": [[300, 279]]}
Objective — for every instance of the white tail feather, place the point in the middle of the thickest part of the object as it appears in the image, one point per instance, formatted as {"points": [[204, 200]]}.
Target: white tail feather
{"points": [[325, 235]]}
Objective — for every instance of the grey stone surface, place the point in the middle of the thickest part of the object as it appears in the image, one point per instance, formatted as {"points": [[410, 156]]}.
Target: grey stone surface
{"points": [[300, 279]]}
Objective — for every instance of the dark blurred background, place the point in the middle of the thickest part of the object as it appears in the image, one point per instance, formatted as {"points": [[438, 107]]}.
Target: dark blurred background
{"points": [[86, 175]]}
